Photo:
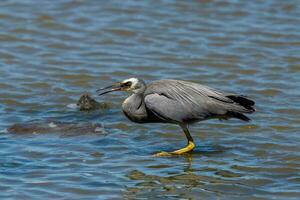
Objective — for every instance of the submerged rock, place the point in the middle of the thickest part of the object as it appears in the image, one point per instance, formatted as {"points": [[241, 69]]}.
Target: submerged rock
{"points": [[87, 103], [56, 127]]}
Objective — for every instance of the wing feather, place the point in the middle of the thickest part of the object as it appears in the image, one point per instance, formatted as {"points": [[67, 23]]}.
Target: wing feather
{"points": [[182, 101]]}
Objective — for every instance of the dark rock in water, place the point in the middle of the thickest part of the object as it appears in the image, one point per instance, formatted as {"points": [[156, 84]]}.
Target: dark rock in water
{"points": [[87, 103], [65, 128]]}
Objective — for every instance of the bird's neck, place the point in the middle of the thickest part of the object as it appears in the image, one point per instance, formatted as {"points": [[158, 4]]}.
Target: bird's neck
{"points": [[134, 102], [134, 107]]}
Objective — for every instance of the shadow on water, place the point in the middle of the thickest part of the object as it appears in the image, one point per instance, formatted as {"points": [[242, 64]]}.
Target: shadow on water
{"points": [[189, 182], [208, 150]]}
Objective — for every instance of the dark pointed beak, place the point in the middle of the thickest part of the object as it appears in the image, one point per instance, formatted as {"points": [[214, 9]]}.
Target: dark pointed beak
{"points": [[108, 89]]}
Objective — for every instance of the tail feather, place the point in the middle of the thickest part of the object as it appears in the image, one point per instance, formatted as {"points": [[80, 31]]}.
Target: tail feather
{"points": [[243, 101], [238, 116]]}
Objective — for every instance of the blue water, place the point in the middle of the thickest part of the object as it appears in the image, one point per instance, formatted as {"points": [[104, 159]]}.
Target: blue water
{"points": [[54, 51]]}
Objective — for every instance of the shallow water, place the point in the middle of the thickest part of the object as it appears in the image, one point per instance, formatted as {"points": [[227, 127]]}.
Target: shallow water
{"points": [[53, 51]]}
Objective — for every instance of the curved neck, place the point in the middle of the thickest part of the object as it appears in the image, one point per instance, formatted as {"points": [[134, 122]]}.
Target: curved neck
{"points": [[134, 107], [134, 101]]}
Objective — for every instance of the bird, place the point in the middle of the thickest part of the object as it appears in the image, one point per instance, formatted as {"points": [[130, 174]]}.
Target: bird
{"points": [[178, 102]]}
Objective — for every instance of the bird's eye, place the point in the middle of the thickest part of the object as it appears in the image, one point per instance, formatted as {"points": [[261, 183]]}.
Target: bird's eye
{"points": [[127, 84]]}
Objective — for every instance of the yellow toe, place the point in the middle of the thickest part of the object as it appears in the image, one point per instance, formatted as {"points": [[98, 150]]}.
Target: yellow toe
{"points": [[163, 154], [184, 150]]}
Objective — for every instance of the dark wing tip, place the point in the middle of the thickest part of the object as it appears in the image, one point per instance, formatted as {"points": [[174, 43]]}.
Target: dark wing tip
{"points": [[239, 116], [243, 101]]}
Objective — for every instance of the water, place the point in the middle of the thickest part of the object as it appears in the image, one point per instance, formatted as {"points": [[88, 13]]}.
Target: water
{"points": [[53, 51]]}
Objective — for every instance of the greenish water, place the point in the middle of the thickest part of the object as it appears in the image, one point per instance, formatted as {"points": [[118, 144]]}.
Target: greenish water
{"points": [[53, 51]]}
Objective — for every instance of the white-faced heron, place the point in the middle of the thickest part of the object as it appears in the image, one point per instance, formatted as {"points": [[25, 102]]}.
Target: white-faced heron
{"points": [[178, 102]]}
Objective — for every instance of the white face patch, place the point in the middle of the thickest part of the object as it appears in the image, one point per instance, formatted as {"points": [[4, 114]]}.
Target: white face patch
{"points": [[134, 81]]}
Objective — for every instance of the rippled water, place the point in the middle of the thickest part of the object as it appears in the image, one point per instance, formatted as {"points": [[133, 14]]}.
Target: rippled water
{"points": [[53, 51]]}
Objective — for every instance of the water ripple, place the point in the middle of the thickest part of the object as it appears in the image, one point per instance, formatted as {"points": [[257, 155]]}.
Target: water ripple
{"points": [[51, 53]]}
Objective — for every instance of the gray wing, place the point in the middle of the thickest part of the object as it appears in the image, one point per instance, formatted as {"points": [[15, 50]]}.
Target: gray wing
{"points": [[182, 101]]}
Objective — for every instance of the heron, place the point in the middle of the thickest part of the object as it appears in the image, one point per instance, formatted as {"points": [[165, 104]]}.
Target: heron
{"points": [[178, 102]]}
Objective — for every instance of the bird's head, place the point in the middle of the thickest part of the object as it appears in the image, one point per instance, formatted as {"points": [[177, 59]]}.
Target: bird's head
{"points": [[133, 85]]}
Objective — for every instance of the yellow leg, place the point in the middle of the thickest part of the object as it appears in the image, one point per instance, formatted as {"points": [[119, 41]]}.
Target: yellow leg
{"points": [[190, 146], [186, 149]]}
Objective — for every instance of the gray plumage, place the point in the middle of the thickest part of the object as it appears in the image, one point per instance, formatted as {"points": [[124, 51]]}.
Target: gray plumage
{"points": [[175, 101], [179, 102]]}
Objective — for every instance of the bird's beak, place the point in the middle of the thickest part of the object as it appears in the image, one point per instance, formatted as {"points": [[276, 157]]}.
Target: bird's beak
{"points": [[111, 88]]}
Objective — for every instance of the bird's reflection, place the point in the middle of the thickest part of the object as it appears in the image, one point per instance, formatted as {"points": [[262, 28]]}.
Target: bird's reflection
{"points": [[178, 178]]}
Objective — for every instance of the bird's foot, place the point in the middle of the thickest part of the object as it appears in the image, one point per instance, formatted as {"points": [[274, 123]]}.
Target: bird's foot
{"points": [[186, 149], [163, 153]]}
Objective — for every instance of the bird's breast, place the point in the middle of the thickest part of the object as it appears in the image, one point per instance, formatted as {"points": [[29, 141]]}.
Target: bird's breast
{"points": [[125, 101], [134, 109]]}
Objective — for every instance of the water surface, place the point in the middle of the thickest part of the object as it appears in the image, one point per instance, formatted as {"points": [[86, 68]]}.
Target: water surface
{"points": [[53, 51]]}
